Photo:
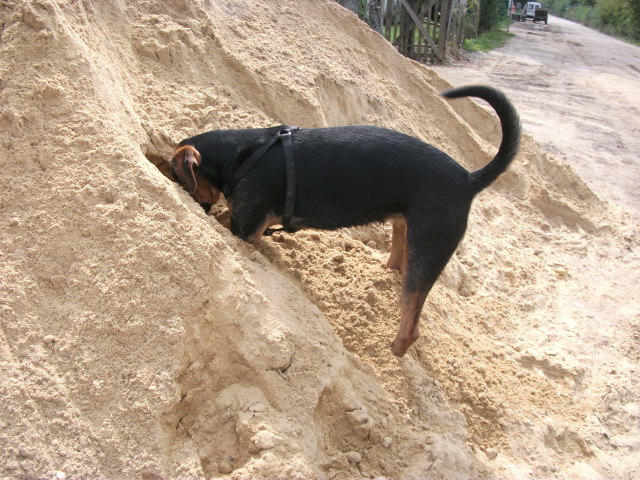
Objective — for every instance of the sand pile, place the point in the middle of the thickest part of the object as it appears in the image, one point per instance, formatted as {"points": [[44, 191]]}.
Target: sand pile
{"points": [[141, 339]]}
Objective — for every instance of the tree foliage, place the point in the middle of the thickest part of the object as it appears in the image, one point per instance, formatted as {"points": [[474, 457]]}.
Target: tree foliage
{"points": [[492, 12], [368, 10], [615, 17]]}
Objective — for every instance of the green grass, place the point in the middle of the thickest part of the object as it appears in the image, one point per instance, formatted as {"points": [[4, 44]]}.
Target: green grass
{"points": [[487, 41], [619, 18]]}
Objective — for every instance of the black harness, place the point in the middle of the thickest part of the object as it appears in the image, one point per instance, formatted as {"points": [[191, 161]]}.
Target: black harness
{"points": [[290, 199]]}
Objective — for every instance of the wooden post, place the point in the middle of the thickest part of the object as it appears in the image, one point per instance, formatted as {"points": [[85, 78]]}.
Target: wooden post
{"points": [[445, 18], [388, 23]]}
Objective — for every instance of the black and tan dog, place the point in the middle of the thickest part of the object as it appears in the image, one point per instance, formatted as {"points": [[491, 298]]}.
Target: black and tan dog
{"points": [[350, 176]]}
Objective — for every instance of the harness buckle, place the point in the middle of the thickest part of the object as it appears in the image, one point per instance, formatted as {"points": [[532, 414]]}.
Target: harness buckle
{"points": [[287, 131]]}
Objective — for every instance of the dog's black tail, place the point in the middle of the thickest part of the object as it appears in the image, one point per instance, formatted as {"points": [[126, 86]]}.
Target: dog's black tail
{"points": [[510, 122]]}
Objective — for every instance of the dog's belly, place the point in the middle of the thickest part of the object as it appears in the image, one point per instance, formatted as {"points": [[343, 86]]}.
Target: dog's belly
{"points": [[336, 220]]}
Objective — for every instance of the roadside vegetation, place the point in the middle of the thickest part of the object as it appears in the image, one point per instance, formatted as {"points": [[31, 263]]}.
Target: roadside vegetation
{"points": [[486, 25], [492, 15], [619, 18], [488, 40], [614, 17]]}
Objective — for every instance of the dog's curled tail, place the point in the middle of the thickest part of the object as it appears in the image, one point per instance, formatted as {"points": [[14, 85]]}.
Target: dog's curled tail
{"points": [[510, 122]]}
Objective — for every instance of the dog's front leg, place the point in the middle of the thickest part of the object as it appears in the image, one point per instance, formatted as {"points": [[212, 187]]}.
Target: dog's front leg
{"points": [[255, 238], [253, 231]]}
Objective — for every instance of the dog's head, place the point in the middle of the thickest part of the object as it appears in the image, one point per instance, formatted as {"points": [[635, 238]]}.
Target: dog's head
{"points": [[184, 164]]}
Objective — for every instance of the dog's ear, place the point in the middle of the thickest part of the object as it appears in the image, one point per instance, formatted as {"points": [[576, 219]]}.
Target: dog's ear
{"points": [[183, 163]]}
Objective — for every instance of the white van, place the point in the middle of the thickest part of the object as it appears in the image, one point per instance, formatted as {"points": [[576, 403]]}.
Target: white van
{"points": [[529, 10]]}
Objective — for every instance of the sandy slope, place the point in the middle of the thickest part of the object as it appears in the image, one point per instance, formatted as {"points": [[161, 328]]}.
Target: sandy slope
{"points": [[140, 339]]}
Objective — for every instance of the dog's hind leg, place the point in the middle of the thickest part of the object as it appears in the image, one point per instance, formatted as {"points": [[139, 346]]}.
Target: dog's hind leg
{"points": [[398, 243], [430, 245]]}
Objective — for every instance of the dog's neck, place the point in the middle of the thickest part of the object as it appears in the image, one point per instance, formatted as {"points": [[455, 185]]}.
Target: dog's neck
{"points": [[215, 168]]}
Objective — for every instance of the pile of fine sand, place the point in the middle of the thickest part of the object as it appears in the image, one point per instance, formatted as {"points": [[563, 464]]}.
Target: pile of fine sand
{"points": [[140, 339]]}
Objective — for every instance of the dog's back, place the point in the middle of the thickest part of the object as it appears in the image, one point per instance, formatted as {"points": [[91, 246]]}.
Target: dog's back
{"points": [[375, 173], [358, 174]]}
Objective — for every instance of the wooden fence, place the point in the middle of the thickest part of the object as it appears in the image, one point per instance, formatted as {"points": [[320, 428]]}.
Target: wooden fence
{"points": [[419, 28]]}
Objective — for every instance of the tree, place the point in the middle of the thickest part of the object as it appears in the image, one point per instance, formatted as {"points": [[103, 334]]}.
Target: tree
{"points": [[634, 21], [491, 13], [368, 10]]}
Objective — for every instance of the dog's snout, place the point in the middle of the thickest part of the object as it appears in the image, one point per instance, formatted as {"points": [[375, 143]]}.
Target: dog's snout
{"points": [[207, 207]]}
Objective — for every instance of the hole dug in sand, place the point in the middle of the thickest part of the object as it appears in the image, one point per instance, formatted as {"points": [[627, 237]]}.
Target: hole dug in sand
{"points": [[161, 163], [219, 210]]}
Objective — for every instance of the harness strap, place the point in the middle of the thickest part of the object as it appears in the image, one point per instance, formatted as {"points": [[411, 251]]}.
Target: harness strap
{"points": [[247, 165], [254, 158], [290, 198]]}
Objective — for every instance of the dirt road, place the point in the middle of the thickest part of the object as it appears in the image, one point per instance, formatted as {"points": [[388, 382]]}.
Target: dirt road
{"points": [[578, 93]]}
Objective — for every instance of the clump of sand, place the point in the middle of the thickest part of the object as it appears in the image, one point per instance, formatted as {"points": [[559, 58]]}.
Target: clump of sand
{"points": [[141, 339]]}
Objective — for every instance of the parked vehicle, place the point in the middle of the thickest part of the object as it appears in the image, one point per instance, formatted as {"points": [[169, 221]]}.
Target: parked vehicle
{"points": [[529, 11], [541, 15]]}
